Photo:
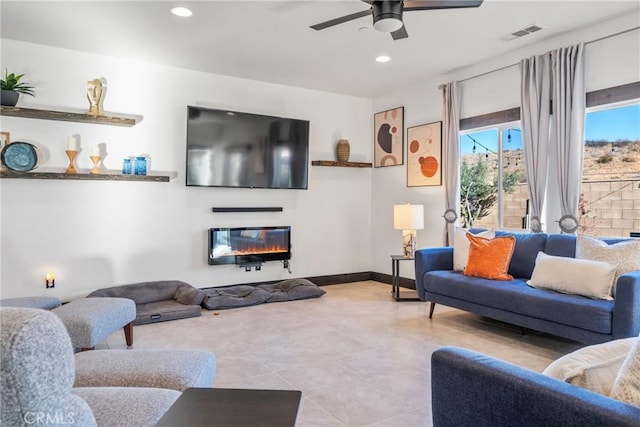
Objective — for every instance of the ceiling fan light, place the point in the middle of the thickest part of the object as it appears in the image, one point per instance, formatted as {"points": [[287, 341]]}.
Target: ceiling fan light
{"points": [[387, 15], [387, 25]]}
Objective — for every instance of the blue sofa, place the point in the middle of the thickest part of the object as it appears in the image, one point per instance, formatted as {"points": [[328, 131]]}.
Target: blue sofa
{"points": [[578, 318], [471, 389]]}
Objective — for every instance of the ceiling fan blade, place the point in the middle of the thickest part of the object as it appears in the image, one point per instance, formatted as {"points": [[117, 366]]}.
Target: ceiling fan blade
{"points": [[400, 34], [341, 20], [440, 4]]}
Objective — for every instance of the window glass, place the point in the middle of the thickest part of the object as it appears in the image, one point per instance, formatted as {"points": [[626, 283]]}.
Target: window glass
{"points": [[493, 191], [610, 194]]}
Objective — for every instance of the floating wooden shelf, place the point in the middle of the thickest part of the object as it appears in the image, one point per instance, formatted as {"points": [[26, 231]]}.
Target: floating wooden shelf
{"points": [[31, 113], [341, 164], [83, 176]]}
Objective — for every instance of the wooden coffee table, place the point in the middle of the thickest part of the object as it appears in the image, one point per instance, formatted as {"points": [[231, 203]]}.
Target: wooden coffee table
{"points": [[233, 407]]}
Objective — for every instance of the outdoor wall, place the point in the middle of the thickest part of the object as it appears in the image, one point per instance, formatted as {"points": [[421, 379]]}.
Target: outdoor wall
{"points": [[97, 234]]}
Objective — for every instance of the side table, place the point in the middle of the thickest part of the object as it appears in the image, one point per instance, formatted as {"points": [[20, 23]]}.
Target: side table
{"points": [[395, 277]]}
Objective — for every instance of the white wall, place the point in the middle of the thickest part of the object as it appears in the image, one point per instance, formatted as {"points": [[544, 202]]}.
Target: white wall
{"points": [[610, 62], [97, 234]]}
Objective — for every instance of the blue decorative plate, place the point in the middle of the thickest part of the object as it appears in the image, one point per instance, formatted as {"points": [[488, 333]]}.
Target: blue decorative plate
{"points": [[19, 156]]}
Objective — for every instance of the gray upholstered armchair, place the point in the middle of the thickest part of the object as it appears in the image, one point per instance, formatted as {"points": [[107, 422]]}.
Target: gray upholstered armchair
{"points": [[38, 370]]}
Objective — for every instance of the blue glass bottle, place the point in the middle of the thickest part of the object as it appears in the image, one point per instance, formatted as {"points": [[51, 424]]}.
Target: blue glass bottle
{"points": [[126, 167], [140, 166]]}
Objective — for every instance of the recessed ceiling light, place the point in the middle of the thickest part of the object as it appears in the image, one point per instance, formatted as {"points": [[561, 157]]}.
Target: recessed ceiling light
{"points": [[181, 11], [383, 58]]}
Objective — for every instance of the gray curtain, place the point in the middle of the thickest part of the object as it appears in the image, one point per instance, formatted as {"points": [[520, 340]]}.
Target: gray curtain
{"points": [[451, 157], [535, 97], [568, 118]]}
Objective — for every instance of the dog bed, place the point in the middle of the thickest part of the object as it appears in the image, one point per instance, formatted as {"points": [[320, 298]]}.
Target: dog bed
{"points": [[247, 295]]}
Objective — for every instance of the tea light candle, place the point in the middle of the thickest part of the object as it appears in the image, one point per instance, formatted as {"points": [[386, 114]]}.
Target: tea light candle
{"points": [[95, 151], [72, 143]]}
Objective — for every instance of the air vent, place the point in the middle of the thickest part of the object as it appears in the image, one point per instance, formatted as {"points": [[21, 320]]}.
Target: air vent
{"points": [[523, 32]]}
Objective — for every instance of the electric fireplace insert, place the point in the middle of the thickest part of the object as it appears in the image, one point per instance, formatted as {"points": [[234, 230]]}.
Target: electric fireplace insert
{"points": [[249, 245]]}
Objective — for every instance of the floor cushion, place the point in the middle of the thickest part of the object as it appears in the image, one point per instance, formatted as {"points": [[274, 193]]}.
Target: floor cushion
{"points": [[292, 289], [247, 295], [234, 296], [160, 311]]}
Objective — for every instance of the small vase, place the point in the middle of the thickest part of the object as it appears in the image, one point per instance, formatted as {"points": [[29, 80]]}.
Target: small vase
{"points": [[9, 98], [140, 166], [342, 150]]}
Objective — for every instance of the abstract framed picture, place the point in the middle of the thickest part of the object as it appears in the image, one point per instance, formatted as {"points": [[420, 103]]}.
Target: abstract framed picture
{"points": [[424, 155], [388, 134]]}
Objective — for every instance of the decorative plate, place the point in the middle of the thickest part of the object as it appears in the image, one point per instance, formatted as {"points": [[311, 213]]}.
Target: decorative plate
{"points": [[19, 156]]}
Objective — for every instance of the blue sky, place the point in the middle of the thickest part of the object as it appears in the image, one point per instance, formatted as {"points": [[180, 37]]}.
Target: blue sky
{"points": [[614, 124], [611, 125]]}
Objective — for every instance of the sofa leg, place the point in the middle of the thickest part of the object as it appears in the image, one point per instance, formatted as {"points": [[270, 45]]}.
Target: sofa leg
{"points": [[433, 305], [128, 334], [524, 331]]}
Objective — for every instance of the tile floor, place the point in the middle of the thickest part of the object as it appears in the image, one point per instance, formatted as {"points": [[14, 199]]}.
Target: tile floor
{"points": [[359, 357]]}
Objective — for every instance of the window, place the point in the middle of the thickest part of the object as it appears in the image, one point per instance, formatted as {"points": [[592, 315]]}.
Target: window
{"points": [[610, 195], [493, 189]]}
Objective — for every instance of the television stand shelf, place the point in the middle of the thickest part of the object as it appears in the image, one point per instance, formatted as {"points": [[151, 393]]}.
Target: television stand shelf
{"points": [[246, 209], [341, 164]]}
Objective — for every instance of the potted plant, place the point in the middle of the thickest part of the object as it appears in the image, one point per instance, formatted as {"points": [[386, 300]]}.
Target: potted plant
{"points": [[12, 88]]}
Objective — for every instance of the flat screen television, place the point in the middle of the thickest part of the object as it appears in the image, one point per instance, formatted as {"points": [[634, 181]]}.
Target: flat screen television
{"points": [[236, 149]]}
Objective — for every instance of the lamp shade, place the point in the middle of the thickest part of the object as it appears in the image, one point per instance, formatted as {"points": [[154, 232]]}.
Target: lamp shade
{"points": [[408, 217]]}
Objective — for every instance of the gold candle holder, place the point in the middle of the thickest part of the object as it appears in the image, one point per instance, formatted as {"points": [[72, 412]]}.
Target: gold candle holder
{"points": [[72, 156], [96, 162]]}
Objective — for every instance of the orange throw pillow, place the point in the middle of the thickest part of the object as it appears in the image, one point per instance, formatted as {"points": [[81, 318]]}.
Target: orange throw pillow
{"points": [[489, 258]]}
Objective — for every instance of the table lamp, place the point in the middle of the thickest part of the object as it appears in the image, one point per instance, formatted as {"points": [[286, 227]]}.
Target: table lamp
{"points": [[408, 218]]}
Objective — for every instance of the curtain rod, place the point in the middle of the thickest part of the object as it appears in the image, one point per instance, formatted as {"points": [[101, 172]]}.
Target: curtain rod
{"points": [[517, 63]]}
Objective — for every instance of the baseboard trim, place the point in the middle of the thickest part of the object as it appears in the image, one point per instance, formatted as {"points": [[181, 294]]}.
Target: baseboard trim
{"points": [[386, 278], [336, 279], [360, 277]]}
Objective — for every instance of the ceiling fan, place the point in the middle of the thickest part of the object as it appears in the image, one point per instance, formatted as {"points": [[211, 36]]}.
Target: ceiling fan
{"points": [[387, 15]]}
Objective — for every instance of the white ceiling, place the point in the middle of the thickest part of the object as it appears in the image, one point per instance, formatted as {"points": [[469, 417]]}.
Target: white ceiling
{"points": [[271, 40]]}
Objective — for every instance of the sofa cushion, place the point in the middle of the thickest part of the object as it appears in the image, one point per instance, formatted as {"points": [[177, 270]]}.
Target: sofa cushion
{"points": [[627, 385], [594, 367], [524, 255], [591, 279], [489, 258], [461, 246], [560, 245], [625, 255], [515, 296]]}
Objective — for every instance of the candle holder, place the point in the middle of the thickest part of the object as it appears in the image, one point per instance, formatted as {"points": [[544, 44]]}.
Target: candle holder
{"points": [[96, 162], [71, 154]]}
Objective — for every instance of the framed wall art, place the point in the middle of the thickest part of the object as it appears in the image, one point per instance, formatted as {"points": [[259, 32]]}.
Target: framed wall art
{"points": [[424, 155], [388, 134]]}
